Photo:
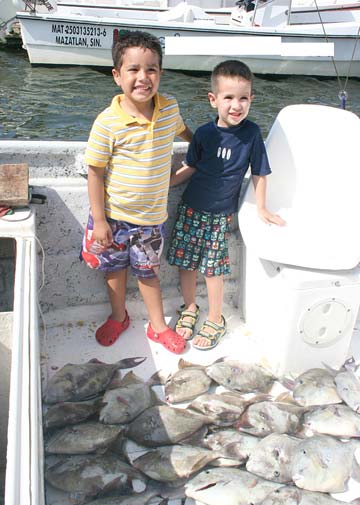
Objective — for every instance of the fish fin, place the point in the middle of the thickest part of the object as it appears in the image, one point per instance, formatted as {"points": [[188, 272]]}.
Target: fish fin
{"points": [[100, 451], [95, 401], [182, 363], [220, 360], [197, 438], [155, 400], [287, 382], [225, 461], [53, 465], [333, 371], [242, 425], [172, 491], [201, 462], [159, 378], [336, 411], [130, 362], [231, 452], [114, 484], [100, 403], [285, 397], [355, 472], [116, 381], [306, 432], [94, 360], [350, 364], [131, 378], [262, 397]]}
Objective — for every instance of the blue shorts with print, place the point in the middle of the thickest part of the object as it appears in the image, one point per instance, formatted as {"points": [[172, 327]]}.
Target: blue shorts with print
{"points": [[139, 247], [200, 241]]}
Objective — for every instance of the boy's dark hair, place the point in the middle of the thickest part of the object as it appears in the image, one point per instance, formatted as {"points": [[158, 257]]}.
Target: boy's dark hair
{"points": [[231, 68], [134, 38]]}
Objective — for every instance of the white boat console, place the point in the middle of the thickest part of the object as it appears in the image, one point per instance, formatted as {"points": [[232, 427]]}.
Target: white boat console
{"points": [[302, 286]]}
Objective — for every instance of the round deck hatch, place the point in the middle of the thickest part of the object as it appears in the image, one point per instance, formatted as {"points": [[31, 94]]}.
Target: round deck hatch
{"points": [[325, 322]]}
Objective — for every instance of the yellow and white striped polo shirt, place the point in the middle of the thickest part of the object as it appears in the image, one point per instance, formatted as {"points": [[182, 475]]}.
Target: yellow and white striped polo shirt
{"points": [[137, 156]]}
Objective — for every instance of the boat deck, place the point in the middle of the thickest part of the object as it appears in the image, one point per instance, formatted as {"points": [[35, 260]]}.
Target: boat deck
{"points": [[68, 289], [69, 338]]}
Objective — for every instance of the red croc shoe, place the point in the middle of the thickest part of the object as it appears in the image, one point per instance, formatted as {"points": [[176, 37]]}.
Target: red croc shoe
{"points": [[171, 340], [110, 331]]}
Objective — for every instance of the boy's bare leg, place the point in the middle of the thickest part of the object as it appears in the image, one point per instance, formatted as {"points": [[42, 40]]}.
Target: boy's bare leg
{"points": [[116, 285], [215, 290], [188, 290], [151, 293], [188, 286]]}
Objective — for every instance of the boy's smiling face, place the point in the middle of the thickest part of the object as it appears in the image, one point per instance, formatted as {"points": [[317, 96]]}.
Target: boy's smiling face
{"points": [[139, 75], [232, 99]]}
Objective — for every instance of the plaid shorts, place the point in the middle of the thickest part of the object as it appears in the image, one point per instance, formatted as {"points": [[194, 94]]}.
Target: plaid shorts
{"points": [[200, 241], [139, 247]]}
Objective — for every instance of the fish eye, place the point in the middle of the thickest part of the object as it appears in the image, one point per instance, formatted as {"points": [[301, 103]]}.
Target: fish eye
{"points": [[276, 474], [303, 451]]}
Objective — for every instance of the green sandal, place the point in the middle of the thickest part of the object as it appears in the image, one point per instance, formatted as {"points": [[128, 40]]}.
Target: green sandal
{"points": [[189, 325], [213, 338]]}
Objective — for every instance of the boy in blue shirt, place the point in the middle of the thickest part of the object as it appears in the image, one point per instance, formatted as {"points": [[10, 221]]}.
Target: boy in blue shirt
{"points": [[217, 161]]}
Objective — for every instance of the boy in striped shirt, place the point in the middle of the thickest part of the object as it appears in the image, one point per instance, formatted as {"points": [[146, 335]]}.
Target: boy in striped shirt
{"points": [[129, 162]]}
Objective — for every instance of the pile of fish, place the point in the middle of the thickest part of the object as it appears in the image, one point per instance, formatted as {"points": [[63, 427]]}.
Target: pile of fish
{"points": [[218, 437]]}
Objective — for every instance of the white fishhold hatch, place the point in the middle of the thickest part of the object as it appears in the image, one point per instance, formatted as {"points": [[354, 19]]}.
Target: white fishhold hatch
{"points": [[301, 291]]}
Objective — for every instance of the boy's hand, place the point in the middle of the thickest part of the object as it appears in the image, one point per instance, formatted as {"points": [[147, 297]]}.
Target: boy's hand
{"points": [[260, 197], [181, 175], [102, 233], [269, 218]]}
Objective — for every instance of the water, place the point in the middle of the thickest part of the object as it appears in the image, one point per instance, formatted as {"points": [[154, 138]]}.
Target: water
{"points": [[39, 103]]}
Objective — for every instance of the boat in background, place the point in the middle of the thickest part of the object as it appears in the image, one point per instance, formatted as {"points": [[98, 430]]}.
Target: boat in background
{"points": [[8, 19], [261, 34], [302, 11], [8, 10], [334, 13]]}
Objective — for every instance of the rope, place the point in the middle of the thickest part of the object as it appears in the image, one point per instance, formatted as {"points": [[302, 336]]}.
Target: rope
{"points": [[352, 56], [342, 91], [327, 40]]}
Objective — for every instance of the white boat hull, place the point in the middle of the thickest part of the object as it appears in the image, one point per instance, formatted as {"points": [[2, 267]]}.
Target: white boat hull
{"points": [[56, 40], [73, 300], [301, 304]]}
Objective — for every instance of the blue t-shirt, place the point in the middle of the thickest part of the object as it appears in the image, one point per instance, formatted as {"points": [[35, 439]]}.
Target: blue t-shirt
{"points": [[222, 157]]}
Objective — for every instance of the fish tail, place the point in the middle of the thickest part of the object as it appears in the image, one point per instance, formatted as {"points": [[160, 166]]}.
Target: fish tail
{"points": [[130, 362]]}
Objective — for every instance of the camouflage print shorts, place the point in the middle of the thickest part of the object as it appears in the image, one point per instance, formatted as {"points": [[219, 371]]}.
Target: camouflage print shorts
{"points": [[200, 241], [139, 247]]}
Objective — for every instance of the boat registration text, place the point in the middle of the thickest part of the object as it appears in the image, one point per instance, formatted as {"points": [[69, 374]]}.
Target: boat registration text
{"points": [[79, 35]]}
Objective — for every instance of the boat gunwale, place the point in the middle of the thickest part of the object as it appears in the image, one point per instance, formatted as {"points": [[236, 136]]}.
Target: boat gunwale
{"points": [[266, 31]]}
